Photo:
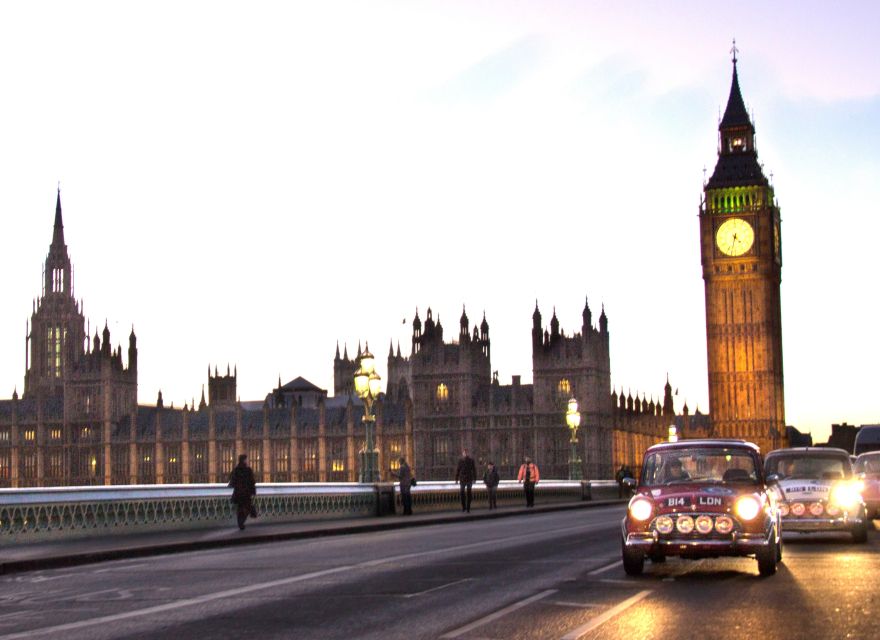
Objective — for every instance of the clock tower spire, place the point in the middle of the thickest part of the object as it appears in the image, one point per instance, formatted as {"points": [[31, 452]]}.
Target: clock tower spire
{"points": [[742, 271]]}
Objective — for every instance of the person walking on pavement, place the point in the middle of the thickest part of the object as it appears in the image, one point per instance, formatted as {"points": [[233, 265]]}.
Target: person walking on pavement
{"points": [[491, 480], [465, 474], [622, 474], [244, 488], [529, 477], [407, 480]]}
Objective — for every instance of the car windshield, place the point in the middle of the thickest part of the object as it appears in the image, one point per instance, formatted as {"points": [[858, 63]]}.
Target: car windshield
{"points": [[807, 466], [869, 465], [699, 464]]}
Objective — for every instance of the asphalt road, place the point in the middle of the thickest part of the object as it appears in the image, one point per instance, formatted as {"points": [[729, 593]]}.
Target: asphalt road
{"points": [[551, 575]]}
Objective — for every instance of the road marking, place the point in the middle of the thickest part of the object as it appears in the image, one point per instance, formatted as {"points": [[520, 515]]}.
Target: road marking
{"points": [[498, 614], [442, 586], [121, 567], [576, 605], [607, 567], [598, 621], [219, 595]]}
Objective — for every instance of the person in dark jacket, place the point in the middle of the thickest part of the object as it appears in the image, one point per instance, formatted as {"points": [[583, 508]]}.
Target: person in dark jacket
{"points": [[465, 474], [244, 488], [405, 475], [491, 480]]}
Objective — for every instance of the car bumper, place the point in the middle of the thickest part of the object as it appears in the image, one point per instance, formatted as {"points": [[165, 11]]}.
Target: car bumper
{"points": [[737, 544], [810, 525]]}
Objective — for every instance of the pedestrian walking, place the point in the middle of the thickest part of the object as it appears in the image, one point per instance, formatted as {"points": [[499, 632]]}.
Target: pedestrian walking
{"points": [[465, 474], [491, 480], [244, 488], [407, 480], [529, 475], [622, 474]]}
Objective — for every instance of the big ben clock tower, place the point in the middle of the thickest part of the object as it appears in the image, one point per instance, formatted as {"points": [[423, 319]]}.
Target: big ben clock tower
{"points": [[740, 241]]}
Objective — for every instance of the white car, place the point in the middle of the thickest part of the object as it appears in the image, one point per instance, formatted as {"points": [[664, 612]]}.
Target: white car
{"points": [[817, 491]]}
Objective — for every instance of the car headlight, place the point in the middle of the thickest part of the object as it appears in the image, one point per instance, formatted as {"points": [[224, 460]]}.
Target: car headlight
{"points": [[798, 508], [832, 510], [704, 524], [846, 495], [816, 509], [641, 509], [664, 524], [783, 509], [685, 524], [747, 507], [723, 524]]}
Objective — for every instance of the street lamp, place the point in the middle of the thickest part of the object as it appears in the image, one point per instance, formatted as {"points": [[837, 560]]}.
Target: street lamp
{"points": [[573, 419], [367, 384]]}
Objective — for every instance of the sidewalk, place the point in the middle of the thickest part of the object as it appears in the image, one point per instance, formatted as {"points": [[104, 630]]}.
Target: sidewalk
{"points": [[77, 551]]}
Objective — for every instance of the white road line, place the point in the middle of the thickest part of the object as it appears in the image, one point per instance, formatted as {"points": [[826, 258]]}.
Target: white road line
{"points": [[576, 605], [607, 567], [498, 614], [219, 595], [442, 586], [598, 621]]}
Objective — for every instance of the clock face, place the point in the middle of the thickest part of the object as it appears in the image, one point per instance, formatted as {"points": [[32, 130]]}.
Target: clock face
{"points": [[734, 237]]}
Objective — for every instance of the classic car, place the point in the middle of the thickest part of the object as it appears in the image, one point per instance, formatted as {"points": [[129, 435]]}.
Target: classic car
{"points": [[817, 491], [701, 499], [867, 466]]}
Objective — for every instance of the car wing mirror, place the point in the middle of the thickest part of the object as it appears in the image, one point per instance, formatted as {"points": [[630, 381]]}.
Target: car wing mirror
{"points": [[772, 478], [629, 483]]}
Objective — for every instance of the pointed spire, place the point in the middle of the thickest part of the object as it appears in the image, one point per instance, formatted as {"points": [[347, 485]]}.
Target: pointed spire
{"points": [[337, 349], [736, 113], [58, 231]]}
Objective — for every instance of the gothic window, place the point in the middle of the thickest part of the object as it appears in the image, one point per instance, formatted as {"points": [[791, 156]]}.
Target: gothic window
{"points": [[30, 435], [173, 467], [441, 450], [563, 389], [55, 434], [255, 456], [29, 465], [281, 461], [5, 467], [55, 464], [146, 464], [442, 392], [4, 435], [227, 459], [198, 464], [119, 469]]}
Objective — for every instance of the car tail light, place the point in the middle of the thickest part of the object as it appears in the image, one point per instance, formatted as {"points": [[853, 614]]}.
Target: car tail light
{"points": [[724, 524], [816, 509], [798, 508], [664, 524], [685, 524], [704, 524]]}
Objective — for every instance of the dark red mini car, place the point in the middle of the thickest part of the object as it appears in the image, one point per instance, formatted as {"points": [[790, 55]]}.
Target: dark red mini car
{"points": [[702, 499]]}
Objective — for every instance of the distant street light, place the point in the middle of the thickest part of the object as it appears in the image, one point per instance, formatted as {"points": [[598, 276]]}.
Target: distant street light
{"points": [[673, 433], [573, 419], [367, 384]]}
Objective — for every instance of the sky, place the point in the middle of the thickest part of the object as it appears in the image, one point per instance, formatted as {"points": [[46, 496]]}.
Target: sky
{"points": [[249, 184]]}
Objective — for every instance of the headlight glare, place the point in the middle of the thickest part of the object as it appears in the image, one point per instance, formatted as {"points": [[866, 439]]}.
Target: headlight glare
{"points": [[846, 495], [704, 524], [641, 509], [747, 507]]}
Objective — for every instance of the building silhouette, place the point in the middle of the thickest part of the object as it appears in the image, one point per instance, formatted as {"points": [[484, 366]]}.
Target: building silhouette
{"points": [[741, 248]]}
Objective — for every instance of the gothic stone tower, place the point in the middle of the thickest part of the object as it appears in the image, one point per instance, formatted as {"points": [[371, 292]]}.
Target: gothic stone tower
{"points": [[577, 366], [742, 268]]}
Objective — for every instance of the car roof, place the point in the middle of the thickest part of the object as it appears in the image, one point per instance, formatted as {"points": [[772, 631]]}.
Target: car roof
{"points": [[818, 450], [706, 442], [868, 454]]}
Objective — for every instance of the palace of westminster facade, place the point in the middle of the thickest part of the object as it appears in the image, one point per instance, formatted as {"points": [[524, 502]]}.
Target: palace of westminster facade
{"points": [[78, 421]]}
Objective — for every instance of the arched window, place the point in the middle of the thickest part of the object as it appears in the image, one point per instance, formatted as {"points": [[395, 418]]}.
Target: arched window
{"points": [[563, 388], [442, 392]]}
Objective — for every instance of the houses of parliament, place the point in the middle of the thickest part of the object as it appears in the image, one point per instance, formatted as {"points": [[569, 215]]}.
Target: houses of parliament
{"points": [[78, 420]]}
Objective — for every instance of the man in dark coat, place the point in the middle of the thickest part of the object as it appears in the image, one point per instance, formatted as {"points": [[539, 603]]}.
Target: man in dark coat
{"points": [[465, 474], [244, 488], [405, 475], [491, 480]]}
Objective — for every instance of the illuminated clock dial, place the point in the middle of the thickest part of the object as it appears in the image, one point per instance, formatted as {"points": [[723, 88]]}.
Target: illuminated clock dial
{"points": [[734, 237]]}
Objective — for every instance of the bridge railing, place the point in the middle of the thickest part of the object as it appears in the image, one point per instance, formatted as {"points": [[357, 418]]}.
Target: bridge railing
{"points": [[40, 514]]}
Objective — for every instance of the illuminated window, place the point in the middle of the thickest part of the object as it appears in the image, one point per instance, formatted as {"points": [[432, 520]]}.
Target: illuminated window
{"points": [[85, 433], [55, 434], [442, 393], [30, 435], [4, 436], [563, 388], [338, 465]]}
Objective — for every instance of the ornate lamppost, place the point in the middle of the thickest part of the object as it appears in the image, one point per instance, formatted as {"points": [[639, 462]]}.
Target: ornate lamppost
{"points": [[367, 384], [573, 419]]}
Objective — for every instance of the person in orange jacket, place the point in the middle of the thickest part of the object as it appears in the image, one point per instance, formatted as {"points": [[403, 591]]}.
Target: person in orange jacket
{"points": [[529, 477]]}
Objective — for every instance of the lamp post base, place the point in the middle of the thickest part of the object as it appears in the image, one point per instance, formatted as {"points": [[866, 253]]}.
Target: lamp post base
{"points": [[575, 472], [369, 470]]}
